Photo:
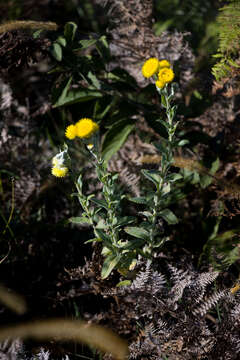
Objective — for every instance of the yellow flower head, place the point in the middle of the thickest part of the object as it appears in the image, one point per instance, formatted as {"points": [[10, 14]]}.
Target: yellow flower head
{"points": [[59, 171], [150, 67], [71, 132], [164, 64], [86, 128], [166, 75], [160, 84]]}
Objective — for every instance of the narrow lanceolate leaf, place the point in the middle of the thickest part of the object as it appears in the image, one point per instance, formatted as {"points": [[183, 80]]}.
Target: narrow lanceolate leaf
{"points": [[174, 177], [138, 200], [124, 283], [169, 216], [183, 142], [125, 220], [101, 235], [60, 93], [80, 220], [86, 43], [137, 232], [101, 203], [92, 240], [116, 137], [133, 244], [152, 175], [147, 214], [77, 95], [109, 264], [94, 80]]}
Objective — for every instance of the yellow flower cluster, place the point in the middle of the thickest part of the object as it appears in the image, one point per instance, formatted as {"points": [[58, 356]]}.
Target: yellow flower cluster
{"points": [[83, 129], [153, 66]]}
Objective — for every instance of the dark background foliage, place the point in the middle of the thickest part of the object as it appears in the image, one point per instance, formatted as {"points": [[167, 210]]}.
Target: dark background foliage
{"points": [[42, 255]]}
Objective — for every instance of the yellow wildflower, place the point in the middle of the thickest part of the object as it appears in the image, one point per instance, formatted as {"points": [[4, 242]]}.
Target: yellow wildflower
{"points": [[71, 132], [164, 64], [86, 128], [150, 67], [59, 171], [160, 84], [166, 75]]}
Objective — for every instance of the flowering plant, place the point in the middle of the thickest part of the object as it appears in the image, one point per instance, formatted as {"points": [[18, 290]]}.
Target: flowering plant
{"points": [[104, 215]]}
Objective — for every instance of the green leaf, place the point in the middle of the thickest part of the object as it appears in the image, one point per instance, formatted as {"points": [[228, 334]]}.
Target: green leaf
{"points": [[174, 177], [79, 220], [233, 63], [86, 43], [70, 31], [101, 224], [116, 137], [101, 203], [92, 240], [147, 214], [94, 80], [57, 51], [101, 235], [205, 181], [217, 55], [125, 221], [168, 216], [137, 232], [162, 146], [183, 142], [197, 95], [61, 41], [109, 264], [163, 101], [152, 175], [37, 33], [106, 251], [138, 200], [124, 283], [132, 244], [103, 48], [163, 122], [59, 94], [215, 166], [76, 95], [161, 26]]}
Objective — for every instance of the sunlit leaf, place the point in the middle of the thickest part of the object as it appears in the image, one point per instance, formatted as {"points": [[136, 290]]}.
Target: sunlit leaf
{"points": [[168, 216], [137, 232], [109, 264], [116, 137]]}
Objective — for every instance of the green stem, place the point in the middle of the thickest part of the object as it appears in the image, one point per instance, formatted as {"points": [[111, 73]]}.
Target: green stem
{"points": [[108, 187], [165, 166], [83, 202]]}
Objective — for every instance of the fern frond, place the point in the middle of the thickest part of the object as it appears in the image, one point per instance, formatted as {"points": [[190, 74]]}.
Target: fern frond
{"points": [[141, 280], [229, 37], [206, 278], [208, 303], [176, 274]]}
